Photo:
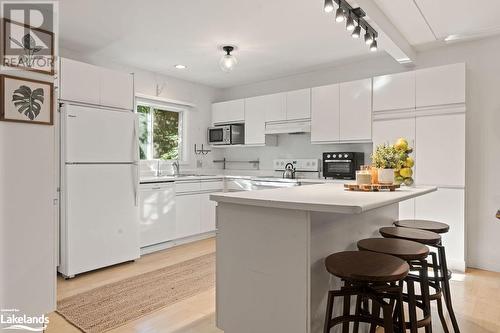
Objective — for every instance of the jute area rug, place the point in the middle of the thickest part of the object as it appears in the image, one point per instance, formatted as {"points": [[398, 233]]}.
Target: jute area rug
{"points": [[109, 306]]}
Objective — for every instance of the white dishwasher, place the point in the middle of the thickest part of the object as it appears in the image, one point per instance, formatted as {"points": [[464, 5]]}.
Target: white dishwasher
{"points": [[157, 213]]}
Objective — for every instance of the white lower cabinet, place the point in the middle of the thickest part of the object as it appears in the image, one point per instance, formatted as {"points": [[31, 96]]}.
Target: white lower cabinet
{"points": [[188, 212], [208, 219], [407, 209], [446, 205]]}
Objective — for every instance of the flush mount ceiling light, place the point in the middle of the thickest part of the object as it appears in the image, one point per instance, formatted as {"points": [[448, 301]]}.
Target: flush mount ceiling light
{"points": [[228, 61], [346, 12], [179, 66]]}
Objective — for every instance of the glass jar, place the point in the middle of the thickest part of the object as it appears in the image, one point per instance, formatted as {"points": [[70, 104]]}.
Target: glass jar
{"points": [[364, 175]]}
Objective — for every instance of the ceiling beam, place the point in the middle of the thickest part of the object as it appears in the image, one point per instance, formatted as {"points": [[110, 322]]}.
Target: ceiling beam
{"points": [[395, 43]]}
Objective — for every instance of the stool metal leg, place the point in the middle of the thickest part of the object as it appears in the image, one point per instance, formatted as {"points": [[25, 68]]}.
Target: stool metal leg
{"points": [[357, 313], [435, 269], [446, 287], [425, 294], [329, 312], [412, 306], [347, 309]]}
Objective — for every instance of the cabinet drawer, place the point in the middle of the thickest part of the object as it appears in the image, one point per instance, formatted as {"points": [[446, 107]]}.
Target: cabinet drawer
{"points": [[182, 187], [217, 185]]}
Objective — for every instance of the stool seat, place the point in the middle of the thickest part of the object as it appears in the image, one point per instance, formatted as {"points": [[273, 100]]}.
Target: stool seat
{"points": [[401, 248], [366, 266], [437, 227], [416, 235]]}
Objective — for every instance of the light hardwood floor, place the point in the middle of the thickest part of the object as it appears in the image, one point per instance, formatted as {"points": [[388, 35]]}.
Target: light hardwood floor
{"points": [[476, 297]]}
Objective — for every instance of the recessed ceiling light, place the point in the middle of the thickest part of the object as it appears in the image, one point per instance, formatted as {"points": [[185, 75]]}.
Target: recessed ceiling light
{"points": [[180, 66]]}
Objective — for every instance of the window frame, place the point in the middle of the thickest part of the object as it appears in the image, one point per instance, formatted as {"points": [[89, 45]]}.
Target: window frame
{"points": [[182, 111]]}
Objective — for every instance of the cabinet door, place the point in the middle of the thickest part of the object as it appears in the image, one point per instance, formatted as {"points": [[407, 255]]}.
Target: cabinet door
{"points": [[157, 215], [356, 110], [388, 131], [188, 213], [298, 104], [440, 85], [440, 156], [255, 120], [325, 113], [207, 222], [394, 92], [80, 82], [275, 106], [228, 112], [117, 89], [446, 205]]}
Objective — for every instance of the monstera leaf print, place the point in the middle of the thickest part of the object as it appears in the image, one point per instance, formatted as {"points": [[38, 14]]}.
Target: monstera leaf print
{"points": [[28, 43], [28, 102]]}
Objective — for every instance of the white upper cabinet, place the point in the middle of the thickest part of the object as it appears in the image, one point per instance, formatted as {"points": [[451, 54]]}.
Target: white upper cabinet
{"points": [[394, 92], [275, 106], [440, 158], [325, 114], [255, 118], [228, 112], [389, 130], [85, 83], [356, 110], [117, 89], [79, 82], [440, 85], [298, 104]]}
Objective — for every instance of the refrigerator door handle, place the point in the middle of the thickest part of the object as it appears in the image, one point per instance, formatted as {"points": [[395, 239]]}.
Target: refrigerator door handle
{"points": [[137, 160], [135, 172]]}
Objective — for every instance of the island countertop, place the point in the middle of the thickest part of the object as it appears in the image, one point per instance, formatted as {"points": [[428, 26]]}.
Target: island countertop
{"points": [[330, 198]]}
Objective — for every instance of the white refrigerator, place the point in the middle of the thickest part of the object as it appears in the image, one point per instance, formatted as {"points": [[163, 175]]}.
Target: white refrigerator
{"points": [[99, 188]]}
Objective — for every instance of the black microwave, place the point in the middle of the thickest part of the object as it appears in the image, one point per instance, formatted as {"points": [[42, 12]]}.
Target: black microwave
{"points": [[341, 165]]}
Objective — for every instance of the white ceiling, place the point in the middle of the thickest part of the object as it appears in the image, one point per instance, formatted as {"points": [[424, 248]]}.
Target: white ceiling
{"points": [[275, 38], [427, 21]]}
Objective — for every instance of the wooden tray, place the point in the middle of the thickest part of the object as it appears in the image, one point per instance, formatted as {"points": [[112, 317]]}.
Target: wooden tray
{"points": [[371, 188]]}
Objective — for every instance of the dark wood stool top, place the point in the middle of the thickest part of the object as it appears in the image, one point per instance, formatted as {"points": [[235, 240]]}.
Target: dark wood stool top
{"points": [[416, 235], [366, 266], [437, 227], [401, 248]]}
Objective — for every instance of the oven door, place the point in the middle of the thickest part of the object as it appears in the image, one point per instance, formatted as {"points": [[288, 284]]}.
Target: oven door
{"points": [[343, 169], [219, 135]]}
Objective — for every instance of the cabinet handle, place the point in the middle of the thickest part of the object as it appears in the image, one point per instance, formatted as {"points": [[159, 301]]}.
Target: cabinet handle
{"points": [[156, 188]]}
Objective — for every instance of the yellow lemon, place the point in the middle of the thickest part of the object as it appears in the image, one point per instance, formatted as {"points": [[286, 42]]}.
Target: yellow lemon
{"points": [[406, 172], [408, 181], [401, 144], [409, 162]]}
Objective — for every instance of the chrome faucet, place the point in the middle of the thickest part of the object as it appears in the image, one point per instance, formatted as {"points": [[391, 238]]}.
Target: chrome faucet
{"points": [[158, 168], [176, 166]]}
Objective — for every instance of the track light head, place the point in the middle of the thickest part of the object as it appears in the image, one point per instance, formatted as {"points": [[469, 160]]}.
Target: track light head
{"points": [[350, 23], [368, 38], [373, 46], [340, 15], [328, 6], [356, 33]]}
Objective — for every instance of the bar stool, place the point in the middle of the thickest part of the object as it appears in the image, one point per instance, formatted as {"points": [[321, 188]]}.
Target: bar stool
{"points": [[445, 273], [415, 255], [371, 276], [440, 269]]}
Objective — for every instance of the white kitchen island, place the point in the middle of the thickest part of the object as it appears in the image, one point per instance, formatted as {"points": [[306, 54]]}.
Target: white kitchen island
{"points": [[271, 245]]}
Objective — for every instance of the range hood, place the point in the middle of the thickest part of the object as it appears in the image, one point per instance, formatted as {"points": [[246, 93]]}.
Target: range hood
{"points": [[289, 126]]}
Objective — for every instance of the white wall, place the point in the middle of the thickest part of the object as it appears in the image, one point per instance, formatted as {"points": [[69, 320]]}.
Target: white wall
{"points": [[483, 121], [198, 118]]}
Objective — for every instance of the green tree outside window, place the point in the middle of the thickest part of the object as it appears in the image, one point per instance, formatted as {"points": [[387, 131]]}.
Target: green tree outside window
{"points": [[159, 134]]}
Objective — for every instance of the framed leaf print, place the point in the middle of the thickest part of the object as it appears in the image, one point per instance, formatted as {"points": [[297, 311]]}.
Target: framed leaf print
{"points": [[26, 47], [26, 100]]}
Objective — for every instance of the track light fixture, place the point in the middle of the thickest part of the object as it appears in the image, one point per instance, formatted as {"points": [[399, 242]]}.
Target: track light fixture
{"points": [[346, 12], [340, 15], [328, 6], [368, 38], [350, 23]]}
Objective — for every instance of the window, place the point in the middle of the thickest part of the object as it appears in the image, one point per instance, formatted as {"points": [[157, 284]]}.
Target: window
{"points": [[160, 132]]}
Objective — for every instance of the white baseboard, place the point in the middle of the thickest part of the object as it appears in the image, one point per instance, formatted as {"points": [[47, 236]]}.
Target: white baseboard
{"points": [[176, 242]]}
